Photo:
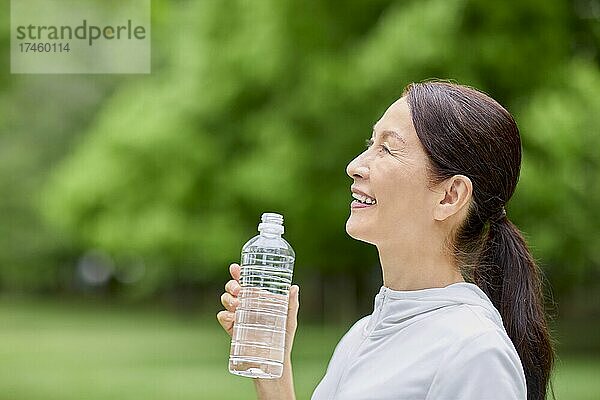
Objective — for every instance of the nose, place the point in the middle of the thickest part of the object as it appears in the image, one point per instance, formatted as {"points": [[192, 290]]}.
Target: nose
{"points": [[357, 168]]}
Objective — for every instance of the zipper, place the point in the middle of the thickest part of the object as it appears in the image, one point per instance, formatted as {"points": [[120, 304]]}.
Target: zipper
{"points": [[377, 312], [372, 322]]}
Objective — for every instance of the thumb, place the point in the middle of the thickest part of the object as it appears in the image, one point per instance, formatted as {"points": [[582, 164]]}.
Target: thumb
{"points": [[292, 317]]}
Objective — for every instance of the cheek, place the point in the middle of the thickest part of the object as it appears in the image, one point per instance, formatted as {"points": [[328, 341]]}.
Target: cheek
{"points": [[405, 191]]}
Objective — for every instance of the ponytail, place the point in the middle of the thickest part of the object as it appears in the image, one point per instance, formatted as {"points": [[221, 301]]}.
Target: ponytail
{"points": [[509, 276], [464, 131]]}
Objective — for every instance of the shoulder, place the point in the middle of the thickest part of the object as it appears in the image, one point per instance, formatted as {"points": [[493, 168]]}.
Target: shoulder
{"points": [[350, 340], [483, 346], [475, 327], [353, 337], [481, 365], [356, 331], [466, 321]]}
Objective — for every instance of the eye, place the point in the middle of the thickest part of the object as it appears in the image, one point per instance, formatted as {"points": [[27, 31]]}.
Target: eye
{"points": [[386, 149], [370, 142]]}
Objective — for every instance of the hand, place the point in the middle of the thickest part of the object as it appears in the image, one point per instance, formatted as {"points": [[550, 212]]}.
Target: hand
{"points": [[230, 301], [266, 389]]}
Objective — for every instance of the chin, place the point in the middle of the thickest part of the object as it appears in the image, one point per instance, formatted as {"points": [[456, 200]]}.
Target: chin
{"points": [[358, 232]]}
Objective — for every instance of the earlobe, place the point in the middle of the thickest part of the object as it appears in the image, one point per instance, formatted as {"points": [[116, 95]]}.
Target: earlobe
{"points": [[456, 192]]}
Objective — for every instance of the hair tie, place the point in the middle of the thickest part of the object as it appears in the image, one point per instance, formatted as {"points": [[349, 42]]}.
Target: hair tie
{"points": [[494, 219]]}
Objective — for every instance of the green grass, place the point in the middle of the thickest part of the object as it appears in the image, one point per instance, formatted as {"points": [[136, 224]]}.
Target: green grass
{"points": [[85, 351], [53, 351], [577, 377]]}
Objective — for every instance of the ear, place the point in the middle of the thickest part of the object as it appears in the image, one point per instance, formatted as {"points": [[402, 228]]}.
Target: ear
{"points": [[454, 194]]}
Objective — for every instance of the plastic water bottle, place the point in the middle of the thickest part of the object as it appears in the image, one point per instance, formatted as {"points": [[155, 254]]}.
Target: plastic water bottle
{"points": [[258, 338]]}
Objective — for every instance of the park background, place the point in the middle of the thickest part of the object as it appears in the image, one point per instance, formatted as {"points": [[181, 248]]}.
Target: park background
{"points": [[124, 198]]}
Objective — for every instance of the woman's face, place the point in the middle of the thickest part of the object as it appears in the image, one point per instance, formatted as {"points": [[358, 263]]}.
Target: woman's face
{"points": [[393, 171]]}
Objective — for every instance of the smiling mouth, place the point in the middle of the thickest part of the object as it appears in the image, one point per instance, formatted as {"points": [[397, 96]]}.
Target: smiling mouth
{"points": [[362, 201]]}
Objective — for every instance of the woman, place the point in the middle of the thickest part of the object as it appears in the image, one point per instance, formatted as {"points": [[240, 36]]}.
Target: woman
{"points": [[460, 314]]}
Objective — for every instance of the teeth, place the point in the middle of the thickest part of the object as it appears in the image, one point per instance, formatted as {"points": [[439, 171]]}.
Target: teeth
{"points": [[364, 199]]}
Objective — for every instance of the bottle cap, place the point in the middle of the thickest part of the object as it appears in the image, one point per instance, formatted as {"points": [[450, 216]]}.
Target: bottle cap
{"points": [[271, 223]]}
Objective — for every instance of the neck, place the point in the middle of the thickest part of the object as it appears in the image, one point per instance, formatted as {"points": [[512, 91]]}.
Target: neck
{"points": [[409, 270]]}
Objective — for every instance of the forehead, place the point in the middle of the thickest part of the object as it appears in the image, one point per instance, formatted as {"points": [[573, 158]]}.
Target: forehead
{"points": [[397, 119]]}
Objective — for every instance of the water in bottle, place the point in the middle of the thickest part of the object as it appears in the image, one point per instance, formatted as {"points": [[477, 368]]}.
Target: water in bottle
{"points": [[258, 338]]}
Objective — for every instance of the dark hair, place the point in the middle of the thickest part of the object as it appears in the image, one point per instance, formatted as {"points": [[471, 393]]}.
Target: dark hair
{"points": [[464, 131]]}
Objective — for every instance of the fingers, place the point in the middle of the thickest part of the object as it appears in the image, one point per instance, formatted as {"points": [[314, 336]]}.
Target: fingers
{"points": [[229, 299], [235, 270], [233, 287], [226, 319], [229, 302]]}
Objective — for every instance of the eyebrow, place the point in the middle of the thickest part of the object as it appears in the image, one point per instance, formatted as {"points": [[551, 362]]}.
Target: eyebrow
{"points": [[385, 133]]}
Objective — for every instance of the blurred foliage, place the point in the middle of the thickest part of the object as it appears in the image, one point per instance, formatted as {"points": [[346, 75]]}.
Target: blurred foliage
{"points": [[64, 350], [259, 106], [559, 193]]}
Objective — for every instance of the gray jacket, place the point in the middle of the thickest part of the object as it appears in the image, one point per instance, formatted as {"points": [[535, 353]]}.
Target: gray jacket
{"points": [[440, 343]]}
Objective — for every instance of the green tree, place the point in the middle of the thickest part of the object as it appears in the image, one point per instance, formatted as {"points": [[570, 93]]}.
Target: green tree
{"points": [[259, 106]]}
